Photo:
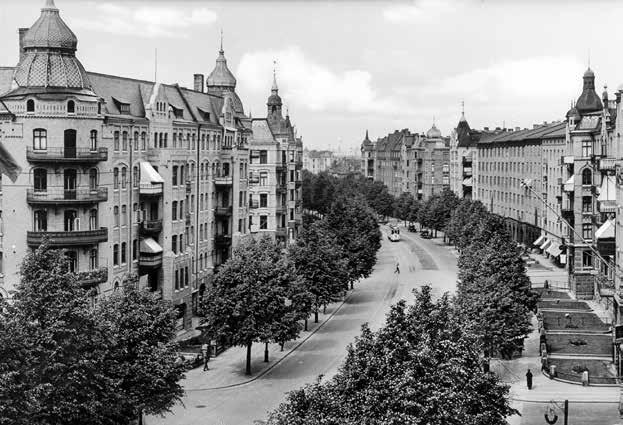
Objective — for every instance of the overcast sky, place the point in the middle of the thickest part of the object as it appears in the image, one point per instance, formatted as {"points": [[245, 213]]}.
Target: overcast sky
{"points": [[344, 67]]}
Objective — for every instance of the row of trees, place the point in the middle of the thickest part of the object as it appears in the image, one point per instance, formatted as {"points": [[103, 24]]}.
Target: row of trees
{"points": [[66, 360], [265, 293]]}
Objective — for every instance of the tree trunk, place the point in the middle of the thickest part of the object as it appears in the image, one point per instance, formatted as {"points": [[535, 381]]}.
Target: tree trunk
{"points": [[324, 309], [282, 344], [305, 324], [140, 417], [316, 315], [248, 371], [352, 284], [266, 352]]}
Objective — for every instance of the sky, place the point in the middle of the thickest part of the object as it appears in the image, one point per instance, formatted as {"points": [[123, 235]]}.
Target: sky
{"points": [[344, 67]]}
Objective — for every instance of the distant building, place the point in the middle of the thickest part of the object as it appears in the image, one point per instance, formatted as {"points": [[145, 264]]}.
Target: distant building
{"points": [[317, 161]]}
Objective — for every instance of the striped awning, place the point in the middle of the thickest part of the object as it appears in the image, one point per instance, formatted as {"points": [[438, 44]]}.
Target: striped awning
{"points": [[554, 249], [546, 244], [539, 241], [606, 231]]}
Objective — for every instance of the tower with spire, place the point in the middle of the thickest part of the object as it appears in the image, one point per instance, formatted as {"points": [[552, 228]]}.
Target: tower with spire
{"points": [[221, 78], [274, 104]]}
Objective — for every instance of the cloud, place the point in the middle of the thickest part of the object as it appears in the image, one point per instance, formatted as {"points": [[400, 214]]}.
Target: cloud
{"points": [[147, 21], [419, 10], [549, 77], [306, 83]]}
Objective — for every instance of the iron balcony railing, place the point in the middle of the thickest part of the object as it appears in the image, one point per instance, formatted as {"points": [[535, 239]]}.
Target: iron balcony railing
{"points": [[59, 195], [67, 154], [69, 238]]}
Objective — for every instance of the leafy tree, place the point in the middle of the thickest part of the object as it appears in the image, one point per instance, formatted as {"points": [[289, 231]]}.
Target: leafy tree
{"points": [[320, 264], [252, 298], [62, 361], [464, 222], [404, 205], [422, 367]]}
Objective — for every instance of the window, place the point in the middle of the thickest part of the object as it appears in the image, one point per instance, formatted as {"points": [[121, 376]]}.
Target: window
{"points": [[186, 276], [291, 194], [93, 219], [135, 250], [125, 141], [93, 140], [39, 139], [93, 258], [182, 177], [174, 176], [124, 251], [115, 180], [263, 157], [116, 140], [226, 169], [587, 177], [143, 141], [115, 254], [587, 259], [587, 231], [587, 204], [124, 177], [40, 179], [135, 176], [30, 105], [181, 209], [115, 213], [291, 213], [71, 107], [181, 244], [124, 215], [174, 244], [263, 200], [201, 232], [263, 222], [263, 178], [41, 221], [177, 280], [174, 210], [587, 148]]}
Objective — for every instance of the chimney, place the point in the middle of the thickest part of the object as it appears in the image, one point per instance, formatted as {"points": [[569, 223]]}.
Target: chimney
{"points": [[22, 33], [199, 80], [486, 128]]}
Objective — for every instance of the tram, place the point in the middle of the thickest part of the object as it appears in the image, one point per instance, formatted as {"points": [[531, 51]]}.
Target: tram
{"points": [[394, 234]]}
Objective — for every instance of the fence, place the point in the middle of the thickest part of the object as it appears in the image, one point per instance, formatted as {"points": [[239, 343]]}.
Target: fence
{"points": [[551, 284]]}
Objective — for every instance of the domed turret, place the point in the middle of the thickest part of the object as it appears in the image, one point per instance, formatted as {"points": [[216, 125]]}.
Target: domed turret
{"points": [[221, 78], [589, 100], [274, 103], [433, 133], [48, 58]]}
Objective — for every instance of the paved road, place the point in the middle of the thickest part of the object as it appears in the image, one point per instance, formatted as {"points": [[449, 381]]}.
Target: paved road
{"points": [[421, 262]]}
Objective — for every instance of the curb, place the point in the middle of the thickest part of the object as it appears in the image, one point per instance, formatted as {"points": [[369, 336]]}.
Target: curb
{"points": [[268, 369]]}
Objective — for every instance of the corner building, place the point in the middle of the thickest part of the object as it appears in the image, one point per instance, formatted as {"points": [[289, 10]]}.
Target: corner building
{"points": [[140, 182]]}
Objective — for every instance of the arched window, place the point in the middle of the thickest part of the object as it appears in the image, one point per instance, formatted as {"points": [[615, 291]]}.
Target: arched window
{"points": [[93, 219], [143, 141], [115, 259], [71, 107], [124, 252], [99, 108], [116, 140], [201, 175], [125, 141], [40, 179], [115, 178], [135, 175], [124, 215], [115, 212], [41, 221], [39, 139], [93, 179], [155, 140], [135, 141], [30, 105], [93, 140], [124, 178], [587, 177]]}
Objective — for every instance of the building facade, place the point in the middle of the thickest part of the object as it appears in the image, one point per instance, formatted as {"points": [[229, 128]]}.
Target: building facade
{"points": [[140, 182], [317, 161]]}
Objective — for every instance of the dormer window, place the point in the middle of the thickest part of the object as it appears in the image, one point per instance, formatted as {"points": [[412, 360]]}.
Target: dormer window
{"points": [[124, 108], [177, 111], [71, 107], [30, 106]]}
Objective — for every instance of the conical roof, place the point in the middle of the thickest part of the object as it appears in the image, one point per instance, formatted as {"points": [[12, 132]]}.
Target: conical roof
{"points": [[433, 133], [221, 76], [49, 57], [50, 31], [588, 101]]}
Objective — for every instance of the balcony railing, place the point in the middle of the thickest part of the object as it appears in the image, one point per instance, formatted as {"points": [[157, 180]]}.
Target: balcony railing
{"points": [[153, 189], [607, 164], [567, 159], [222, 240], [93, 277], [150, 261], [223, 210], [281, 232], [58, 195], [151, 227], [188, 186], [254, 204], [223, 180], [70, 238], [84, 155]]}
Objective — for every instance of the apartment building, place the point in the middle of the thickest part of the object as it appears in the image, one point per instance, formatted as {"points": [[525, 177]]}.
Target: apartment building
{"points": [[140, 182], [316, 161]]}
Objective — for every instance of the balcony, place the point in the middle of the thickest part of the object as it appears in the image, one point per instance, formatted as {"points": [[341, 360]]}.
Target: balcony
{"points": [[281, 209], [567, 214], [467, 171], [90, 278], [60, 196], [281, 188], [254, 205], [223, 180], [281, 167], [222, 240], [150, 261], [72, 238], [67, 155], [150, 189], [607, 164], [223, 211], [151, 227]]}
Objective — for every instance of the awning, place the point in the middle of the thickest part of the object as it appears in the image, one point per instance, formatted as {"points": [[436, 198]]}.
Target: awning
{"points": [[467, 181], [608, 186], [150, 246], [569, 184], [149, 174], [606, 231], [546, 244], [554, 249], [539, 241]]}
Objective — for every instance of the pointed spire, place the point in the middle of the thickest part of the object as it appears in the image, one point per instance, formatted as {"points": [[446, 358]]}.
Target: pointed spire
{"points": [[49, 5], [462, 111], [275, 88], [221, 51]]}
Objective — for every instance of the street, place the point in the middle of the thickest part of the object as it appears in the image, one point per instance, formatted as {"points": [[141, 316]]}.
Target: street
{"points": [[421, 262]]}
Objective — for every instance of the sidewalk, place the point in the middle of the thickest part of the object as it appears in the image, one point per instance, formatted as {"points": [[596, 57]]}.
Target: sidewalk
{"points": [[228, 368]]}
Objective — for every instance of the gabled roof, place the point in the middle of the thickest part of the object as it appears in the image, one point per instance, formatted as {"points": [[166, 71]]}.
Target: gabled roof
{"points": [[534, 134], [261, 131], [113, 89]]}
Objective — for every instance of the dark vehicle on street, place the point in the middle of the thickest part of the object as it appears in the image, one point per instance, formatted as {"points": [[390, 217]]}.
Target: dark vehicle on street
{"points": [[412, 228], [425, 234]]}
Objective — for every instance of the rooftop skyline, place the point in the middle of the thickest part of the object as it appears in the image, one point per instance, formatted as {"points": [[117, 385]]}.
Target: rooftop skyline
{"points": [[351, 66]]}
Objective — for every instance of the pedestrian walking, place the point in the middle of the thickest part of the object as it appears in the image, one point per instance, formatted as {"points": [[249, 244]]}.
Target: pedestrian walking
{"points": [[206, 355], [529, 379], [397, 271]]}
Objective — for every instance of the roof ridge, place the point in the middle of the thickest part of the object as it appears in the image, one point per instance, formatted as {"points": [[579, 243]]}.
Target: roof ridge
{"points": [[119, 77]]}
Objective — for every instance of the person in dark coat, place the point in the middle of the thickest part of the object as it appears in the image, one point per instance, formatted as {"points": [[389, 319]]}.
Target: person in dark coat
{"points": [[529, 379]]}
